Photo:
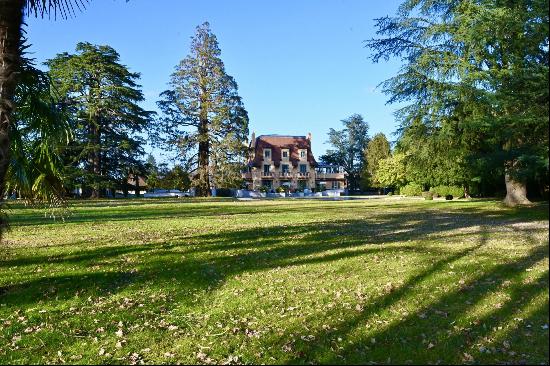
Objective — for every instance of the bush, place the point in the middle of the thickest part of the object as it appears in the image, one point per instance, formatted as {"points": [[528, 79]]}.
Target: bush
{"points": [[443, 191], [264, 189], [281, 189], [449, 197], [429, 196], [224, 192], [390, 193], [411, 189]]}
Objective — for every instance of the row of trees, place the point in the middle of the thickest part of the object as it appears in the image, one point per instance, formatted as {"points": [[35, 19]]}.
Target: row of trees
{"points": [[475, 74], [80, 125], [359, 155]]}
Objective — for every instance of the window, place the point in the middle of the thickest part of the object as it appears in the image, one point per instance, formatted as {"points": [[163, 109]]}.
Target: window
{"points": [[303, 168], [335, 185], [303, 154], [285, 154], [266, 169], [285, 168], [267, 154]]}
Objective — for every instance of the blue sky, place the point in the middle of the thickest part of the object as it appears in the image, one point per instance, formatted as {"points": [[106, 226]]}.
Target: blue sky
{"points": [[300, 65]]}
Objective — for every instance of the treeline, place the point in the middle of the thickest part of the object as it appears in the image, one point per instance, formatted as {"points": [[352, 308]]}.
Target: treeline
{"points": [[79, 125], [475, 76]]}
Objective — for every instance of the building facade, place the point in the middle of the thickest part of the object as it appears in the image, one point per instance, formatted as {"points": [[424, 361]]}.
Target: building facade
{"points": [[276, 160]]}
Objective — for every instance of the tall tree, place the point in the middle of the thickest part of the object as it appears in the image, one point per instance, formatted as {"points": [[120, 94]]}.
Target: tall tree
{"points": [[481, 67], [348, 146], [203, 113], [377, 149], [103, 99], [11, 21]]}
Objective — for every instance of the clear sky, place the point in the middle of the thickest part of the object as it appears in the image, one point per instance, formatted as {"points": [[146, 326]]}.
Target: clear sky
{"points": [[300, 64]]}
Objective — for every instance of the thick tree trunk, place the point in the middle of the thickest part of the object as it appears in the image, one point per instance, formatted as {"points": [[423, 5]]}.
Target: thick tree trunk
{"points": [[125, 187], [137, 189], [516, 192], [11, 18], [95, 159], [203, 186]]}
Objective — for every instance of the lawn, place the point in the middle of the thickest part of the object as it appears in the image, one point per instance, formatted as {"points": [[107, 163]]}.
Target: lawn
{"points": [[288, 281]]}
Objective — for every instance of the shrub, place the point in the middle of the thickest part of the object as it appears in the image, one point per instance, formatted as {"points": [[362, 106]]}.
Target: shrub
{"points": [[444, 191], [390, 193], [264, 189], [411, 189], [449, 197], [281, 189], [224, 192], [429, 196]]}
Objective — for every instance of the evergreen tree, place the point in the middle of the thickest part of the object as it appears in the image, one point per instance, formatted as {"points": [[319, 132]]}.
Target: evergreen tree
{"points": [[203, 115], [476, 73], [349, 145], [377, 149], [102, 97]]}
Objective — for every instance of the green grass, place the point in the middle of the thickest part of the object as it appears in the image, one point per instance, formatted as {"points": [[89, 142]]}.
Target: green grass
{"points": [[298, 281]]}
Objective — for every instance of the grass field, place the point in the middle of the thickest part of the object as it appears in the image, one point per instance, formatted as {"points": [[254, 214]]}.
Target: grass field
{"points": [[296, 281]]}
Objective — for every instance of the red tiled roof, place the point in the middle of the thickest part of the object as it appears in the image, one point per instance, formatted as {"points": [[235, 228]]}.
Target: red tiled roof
{"points": [[276, 143]]}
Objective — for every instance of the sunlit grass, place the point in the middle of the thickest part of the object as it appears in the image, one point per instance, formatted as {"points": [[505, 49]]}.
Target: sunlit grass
{"points": [[284, 281]]}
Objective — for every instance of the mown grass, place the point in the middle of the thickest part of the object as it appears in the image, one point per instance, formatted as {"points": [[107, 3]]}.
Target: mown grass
{"points": [[191, 281]]}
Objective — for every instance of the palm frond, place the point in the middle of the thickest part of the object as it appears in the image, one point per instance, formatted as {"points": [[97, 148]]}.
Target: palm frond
{"points": [[65, 8]]}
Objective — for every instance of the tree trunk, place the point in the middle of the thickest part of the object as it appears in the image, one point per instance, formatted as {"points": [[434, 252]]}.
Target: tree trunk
{"points": [[137, 190], [95, 158], [467, 192], [516, 192], [125, 187], [203, 186], [11, 18]]}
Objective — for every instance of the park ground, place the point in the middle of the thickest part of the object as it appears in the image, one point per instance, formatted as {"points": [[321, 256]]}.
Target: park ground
{"points": [[289, 281]]}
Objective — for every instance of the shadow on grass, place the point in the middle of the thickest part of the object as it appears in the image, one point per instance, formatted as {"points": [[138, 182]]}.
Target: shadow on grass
{"points": [[203, 262], [434, 332]]}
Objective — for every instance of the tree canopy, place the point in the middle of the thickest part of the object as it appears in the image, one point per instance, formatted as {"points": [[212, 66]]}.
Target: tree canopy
{"points": [[476, 76], [348, 146], [102, 97], [377, 149]]}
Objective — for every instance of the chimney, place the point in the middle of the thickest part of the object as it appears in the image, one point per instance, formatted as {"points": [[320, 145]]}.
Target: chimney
{"points": [[253, 140], [309, 136]]}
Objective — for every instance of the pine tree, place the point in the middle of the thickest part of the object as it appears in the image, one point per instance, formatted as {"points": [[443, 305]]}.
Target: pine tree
{"points": [[203, 113], [348, 146], [102, 97]]}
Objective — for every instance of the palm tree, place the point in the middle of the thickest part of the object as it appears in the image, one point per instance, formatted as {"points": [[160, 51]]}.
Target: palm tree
{"points": [[11, 21]]}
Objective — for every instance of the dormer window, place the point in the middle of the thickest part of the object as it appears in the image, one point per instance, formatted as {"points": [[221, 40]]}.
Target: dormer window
{"points": [[267, 154], [284, 153], [303, 154]]}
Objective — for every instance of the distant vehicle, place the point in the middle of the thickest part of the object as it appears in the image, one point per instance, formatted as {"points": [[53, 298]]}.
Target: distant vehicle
{"points": [[157, 193]]}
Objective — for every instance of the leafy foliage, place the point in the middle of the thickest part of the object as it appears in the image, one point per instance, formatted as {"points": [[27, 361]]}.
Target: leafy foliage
{"points": [[378, 149], [38, 137], [391, 171], [411, 189], [443, 191]]}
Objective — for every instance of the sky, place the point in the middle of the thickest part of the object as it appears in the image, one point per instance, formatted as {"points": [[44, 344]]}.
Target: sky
{"points": [[301, 66]]}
